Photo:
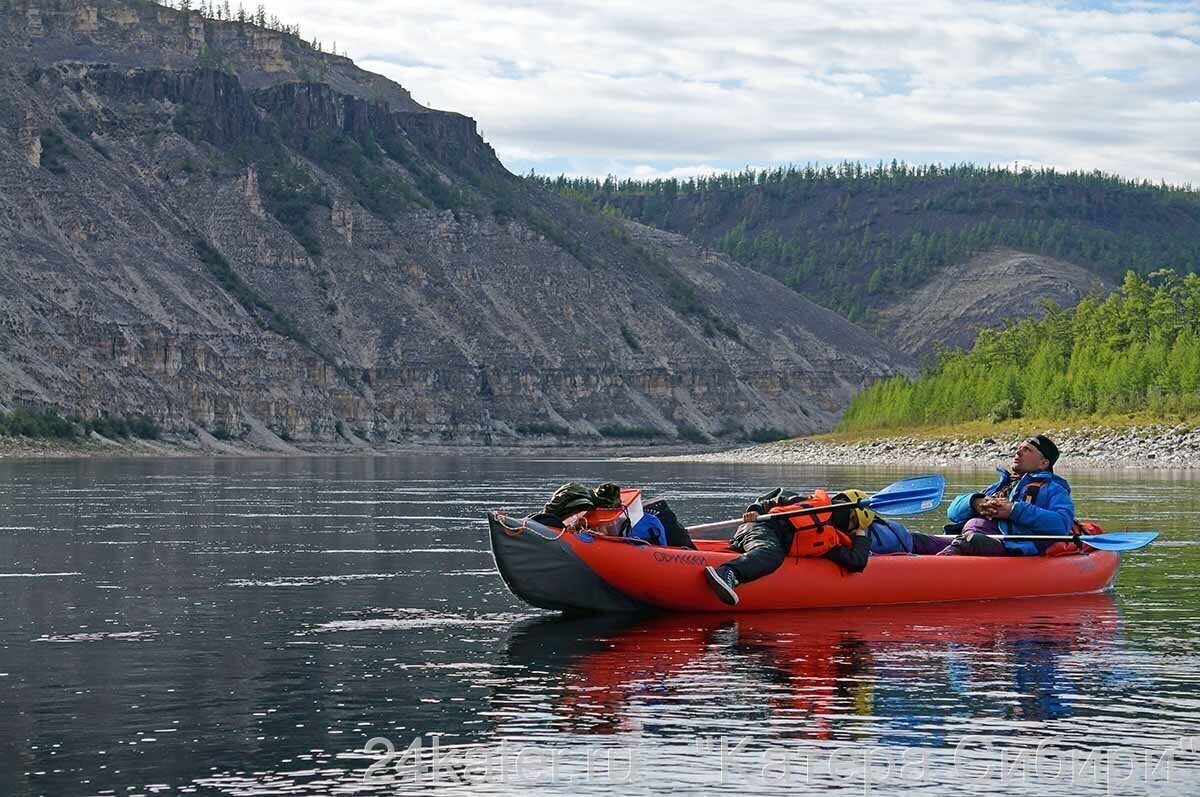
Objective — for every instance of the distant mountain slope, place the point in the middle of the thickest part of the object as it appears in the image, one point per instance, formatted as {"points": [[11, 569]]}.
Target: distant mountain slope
{"points": [[984, 291], [217, 226], [788, 334], [858, 239]]}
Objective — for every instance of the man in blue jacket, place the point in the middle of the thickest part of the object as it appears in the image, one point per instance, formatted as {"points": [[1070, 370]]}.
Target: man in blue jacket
{"points": [[1031, 500]]}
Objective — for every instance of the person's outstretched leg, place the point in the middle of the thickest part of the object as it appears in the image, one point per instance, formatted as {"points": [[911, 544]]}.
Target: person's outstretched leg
{"points": [[763, 553], [762, 550], [928, 544], [974, 540]]}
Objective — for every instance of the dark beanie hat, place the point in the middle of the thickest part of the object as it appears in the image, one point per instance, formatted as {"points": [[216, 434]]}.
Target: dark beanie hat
{"points": [[1046, 446]]}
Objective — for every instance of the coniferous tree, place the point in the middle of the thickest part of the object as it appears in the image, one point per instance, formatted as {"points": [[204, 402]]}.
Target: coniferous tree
{"points": [[907, 222], [1137, 350]]}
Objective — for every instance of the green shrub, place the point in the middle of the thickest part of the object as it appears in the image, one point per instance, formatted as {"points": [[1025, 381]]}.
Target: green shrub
{"points": [[1003, 410], [631, 432], [112, 428], [223, 432], [259, 309], [144, 427], [79, 124], [692, 434], [47, 424], [293, 206], [118, 428], [630, 339], [682, 298], [768, 434], [542, 427], [55, 152]]}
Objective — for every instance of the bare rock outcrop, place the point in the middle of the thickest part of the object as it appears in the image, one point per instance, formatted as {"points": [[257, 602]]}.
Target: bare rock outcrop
{"points": [[141, 34], [984, 291], [282, 243]]}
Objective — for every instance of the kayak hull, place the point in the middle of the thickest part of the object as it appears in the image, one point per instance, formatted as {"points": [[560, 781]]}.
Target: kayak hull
{"points": [[540, 567], [585, 573]]}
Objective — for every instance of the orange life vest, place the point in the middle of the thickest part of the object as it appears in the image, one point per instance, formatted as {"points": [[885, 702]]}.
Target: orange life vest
{"points": [[1031, 491], [815, 534], [1082, 527]]}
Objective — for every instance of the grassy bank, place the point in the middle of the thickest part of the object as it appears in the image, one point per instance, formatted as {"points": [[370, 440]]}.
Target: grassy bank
{"points": [[1018, 427]]}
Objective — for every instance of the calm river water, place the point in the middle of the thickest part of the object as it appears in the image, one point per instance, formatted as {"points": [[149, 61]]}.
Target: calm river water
{"points": [[247, 627]]}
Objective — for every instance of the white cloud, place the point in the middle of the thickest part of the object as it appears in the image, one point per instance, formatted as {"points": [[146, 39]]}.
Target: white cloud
{"points": [[644, 171], [666, 87]]}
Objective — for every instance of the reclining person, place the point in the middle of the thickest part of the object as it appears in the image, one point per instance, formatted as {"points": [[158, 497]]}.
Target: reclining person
{"points": [[848, 539], [764, 541], [1029, 500]]}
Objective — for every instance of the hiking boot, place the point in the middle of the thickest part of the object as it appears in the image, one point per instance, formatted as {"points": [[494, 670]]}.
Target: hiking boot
{"points": [[722, 581]]}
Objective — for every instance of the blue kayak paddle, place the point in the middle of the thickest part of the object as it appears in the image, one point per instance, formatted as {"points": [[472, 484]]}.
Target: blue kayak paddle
{"points": [[905, 497], [1109, 541]]}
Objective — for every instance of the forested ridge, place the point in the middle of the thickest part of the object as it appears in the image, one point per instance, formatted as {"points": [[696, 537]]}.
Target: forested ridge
{"points": [[854, 237], [1136, 350]]}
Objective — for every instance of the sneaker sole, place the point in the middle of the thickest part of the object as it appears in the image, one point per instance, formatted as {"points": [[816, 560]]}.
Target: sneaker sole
{"points": [[720, 587]]}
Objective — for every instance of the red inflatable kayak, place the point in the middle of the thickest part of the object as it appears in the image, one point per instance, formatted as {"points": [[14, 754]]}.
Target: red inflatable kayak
{"points": [[576, 571]]}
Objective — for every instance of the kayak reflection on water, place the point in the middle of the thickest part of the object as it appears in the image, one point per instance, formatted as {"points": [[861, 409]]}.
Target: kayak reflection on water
{"points": [[818, 674]]}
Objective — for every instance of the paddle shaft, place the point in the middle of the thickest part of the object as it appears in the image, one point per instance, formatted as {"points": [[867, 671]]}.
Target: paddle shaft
{"points": [[1038, 537], [810, 510], [1109, 541]]}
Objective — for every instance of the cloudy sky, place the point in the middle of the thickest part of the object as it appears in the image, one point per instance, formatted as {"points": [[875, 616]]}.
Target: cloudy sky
{"points": [[637, 88]]}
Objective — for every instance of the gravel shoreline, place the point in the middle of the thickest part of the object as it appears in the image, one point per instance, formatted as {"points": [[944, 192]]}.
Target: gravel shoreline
{"points": [[206, 446], [1142, 447], [1159, 447]]}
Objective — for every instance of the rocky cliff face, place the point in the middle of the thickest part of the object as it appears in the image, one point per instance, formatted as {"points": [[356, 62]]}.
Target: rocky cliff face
{"points": [[984, 291], [213, 225], [143, 34]]}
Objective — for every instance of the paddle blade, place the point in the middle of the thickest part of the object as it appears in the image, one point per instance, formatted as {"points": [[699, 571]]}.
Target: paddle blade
{"points": [[908, 496], [1120, 540]]}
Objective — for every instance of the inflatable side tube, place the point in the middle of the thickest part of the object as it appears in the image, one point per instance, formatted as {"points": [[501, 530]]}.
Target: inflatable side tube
{"points": [[542, 570]]}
